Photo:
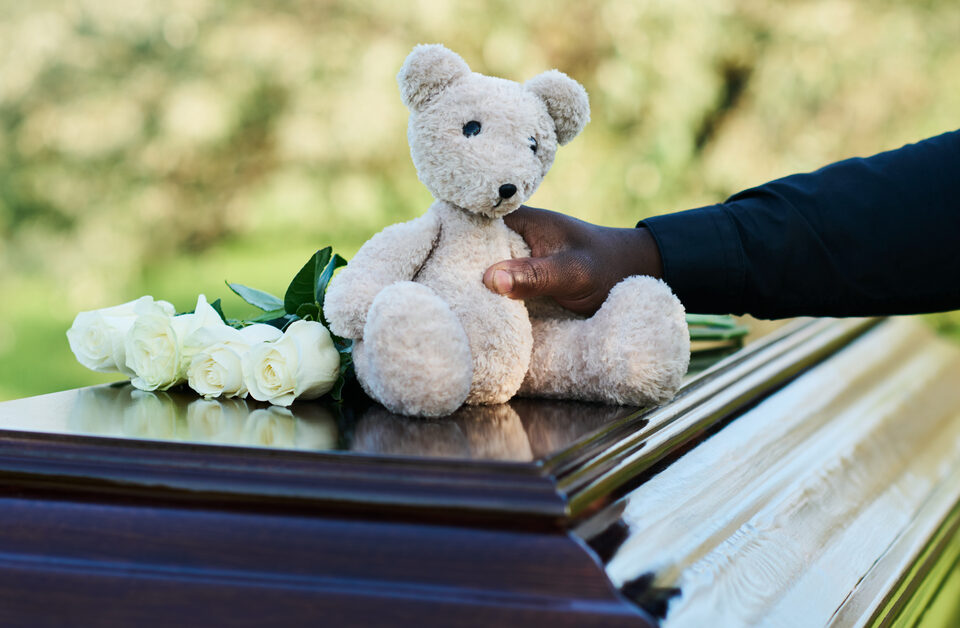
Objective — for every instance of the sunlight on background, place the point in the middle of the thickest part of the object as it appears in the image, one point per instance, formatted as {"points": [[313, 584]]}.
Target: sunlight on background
{"points": [[161, 148]]}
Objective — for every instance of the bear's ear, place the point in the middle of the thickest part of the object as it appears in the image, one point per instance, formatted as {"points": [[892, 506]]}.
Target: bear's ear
{"points": [[428, 70], [566, 101]]}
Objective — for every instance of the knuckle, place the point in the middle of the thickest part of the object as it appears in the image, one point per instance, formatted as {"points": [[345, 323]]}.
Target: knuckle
{"points": [[581, 275], [529, 276], [517, 220]]}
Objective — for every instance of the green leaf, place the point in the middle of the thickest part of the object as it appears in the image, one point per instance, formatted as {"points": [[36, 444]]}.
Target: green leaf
{"points": [[714, 327], [308, 312], [281, 322], [711, 320], [343, 345], [717, 333], [219, 310], [257, 298], [268, 316], [346, 372], [301, 289], [324, 278]]}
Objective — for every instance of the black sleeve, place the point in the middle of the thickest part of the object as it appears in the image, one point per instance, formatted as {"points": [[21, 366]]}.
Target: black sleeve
{"points": [[864, 236]]}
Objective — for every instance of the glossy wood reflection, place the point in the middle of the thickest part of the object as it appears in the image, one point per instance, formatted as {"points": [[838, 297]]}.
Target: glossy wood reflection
{"points": [[521, 430], [129, 508], [814, 506]]}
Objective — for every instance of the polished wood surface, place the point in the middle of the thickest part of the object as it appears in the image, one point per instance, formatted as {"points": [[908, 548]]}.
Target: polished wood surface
{"points": [[126, 508], [478, 462], [825, 503], [539, 462]]}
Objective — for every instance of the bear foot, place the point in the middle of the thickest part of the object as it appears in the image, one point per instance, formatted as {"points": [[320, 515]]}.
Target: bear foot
{"points": [[645, 342], [414, 357], [634, 351]]}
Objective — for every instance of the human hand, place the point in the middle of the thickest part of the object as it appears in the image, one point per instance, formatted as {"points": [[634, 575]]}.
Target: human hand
{"points": [[575, 262]]}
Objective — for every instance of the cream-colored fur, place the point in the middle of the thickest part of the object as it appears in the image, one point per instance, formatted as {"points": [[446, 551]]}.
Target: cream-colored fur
{"points": [[429, 335]]}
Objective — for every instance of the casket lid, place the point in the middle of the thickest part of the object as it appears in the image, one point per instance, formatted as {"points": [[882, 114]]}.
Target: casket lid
{"points": [[538, 460]]}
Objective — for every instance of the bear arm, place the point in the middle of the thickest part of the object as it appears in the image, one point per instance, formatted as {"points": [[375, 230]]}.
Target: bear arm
{"points": [[395, 254]]}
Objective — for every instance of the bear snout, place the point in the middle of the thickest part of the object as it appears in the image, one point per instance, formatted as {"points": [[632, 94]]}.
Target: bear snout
{"points": [[507, 190]]}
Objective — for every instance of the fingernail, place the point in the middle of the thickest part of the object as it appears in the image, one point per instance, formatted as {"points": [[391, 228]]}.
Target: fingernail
{"points": [[502, 282]]}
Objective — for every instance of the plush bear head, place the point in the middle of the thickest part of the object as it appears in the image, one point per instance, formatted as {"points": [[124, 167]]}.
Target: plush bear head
{"points": [[485, 143]]}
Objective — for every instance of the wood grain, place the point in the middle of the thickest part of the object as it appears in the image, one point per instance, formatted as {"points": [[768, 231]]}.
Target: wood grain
{"points": [[794, 511]]}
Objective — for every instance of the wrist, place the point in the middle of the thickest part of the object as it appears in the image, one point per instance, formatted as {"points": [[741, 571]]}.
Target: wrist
{"points": [[640, 253]]}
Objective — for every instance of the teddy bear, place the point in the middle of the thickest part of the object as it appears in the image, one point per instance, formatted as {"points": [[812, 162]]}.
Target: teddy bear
{"points": [[428, 335]]}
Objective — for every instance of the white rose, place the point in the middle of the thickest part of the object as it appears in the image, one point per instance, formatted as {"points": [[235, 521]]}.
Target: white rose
{"points": [[198, 330], [155, 344], [303, 364], [217, 368], [97, 337]]}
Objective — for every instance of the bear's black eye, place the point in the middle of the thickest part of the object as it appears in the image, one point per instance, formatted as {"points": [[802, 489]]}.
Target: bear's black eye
{"points": [[471, 128], [533, 144]]}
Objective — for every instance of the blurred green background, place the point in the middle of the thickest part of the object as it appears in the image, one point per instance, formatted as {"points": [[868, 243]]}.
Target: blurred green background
{"points": [[162, 147]]}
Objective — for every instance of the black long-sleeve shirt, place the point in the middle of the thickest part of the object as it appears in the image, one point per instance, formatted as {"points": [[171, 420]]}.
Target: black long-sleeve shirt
{"points": [[864, 236]]}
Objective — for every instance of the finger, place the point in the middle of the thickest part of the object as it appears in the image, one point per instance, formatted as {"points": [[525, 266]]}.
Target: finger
{"points": [[523, 220], [532, 220], [524, 277], [518, 218]]}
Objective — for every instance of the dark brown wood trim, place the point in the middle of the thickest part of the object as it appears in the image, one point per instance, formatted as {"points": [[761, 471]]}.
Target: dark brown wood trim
{"points": [[247, 475], [69, 562]]}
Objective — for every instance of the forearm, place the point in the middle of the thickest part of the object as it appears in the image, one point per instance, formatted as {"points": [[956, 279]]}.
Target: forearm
{"points": [[859, 237]]}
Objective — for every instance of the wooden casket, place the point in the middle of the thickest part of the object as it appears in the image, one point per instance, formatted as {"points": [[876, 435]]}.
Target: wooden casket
{"points": [[811, 478]]}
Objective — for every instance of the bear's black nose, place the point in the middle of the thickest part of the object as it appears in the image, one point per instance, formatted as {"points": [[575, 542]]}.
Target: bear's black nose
{"points": [[507, 190]]}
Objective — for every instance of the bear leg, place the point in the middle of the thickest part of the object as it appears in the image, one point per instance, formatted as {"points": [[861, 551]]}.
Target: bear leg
{"points": [[633, 351], [414, 357]]}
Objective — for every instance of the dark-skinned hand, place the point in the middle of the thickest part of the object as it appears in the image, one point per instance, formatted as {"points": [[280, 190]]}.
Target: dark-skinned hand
{"points": [[575, 262]]}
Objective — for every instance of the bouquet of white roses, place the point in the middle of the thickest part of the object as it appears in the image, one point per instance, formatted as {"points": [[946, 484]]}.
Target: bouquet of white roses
{"points": [[284, 354]]}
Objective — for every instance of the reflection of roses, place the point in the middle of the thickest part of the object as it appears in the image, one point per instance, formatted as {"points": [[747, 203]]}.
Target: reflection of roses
{"points": [[98, 410], [270, 427], [151, 415], [128, 412], [155, 345], [216, 368], [210, 421], [303, 364], [97, 337], [307, 426], [316, 427]]}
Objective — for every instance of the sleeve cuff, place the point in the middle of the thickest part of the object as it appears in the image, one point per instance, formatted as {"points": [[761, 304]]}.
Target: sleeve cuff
{"points": [[702, 258]]}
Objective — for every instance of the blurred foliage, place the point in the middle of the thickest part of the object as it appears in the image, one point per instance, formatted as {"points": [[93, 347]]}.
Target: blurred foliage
{"points": [[164, 147]]}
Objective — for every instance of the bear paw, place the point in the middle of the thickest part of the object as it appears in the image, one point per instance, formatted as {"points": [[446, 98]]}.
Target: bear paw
{"points": [[645, 342], [414, 357]]}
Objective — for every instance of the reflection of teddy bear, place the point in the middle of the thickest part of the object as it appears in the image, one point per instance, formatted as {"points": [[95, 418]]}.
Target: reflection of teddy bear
{"points": [[429, 335], [552, 425], [492, 432]]}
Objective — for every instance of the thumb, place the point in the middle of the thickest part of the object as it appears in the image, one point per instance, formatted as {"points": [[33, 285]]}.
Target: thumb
{"points": [[524, 277]]}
